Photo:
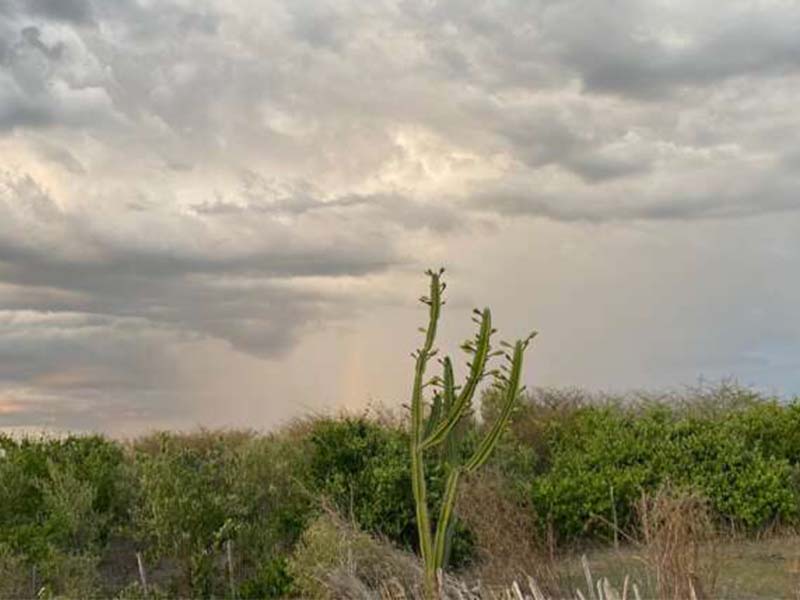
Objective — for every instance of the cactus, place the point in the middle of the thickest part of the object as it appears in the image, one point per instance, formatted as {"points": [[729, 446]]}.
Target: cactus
{"points": [[437, 425]]}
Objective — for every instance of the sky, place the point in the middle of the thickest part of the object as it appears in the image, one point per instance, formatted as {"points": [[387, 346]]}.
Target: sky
{"points": [[219, 213]]}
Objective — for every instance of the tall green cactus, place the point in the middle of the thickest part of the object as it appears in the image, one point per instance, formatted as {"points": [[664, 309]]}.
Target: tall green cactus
{"points": [[436, 425]]}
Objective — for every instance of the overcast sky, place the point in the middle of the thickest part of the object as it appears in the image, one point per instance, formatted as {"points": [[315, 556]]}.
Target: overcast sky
{"points": [[219, 212]]}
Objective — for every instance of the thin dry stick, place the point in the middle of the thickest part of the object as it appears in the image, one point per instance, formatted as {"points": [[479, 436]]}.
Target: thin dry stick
{"points": [[535, 589], [588, 574], [609, 592], [142, 574], [229, 552], [616, 523], [517, 591]]}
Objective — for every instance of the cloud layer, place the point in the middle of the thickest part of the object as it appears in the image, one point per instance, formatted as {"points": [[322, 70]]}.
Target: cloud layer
{"points": [[248, 184]]}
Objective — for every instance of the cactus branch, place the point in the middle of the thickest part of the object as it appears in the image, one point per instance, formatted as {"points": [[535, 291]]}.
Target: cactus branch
{"points": [[444, 526], [449, 406], [511, 393], [424, 353], [435, 416], [482, 350]]}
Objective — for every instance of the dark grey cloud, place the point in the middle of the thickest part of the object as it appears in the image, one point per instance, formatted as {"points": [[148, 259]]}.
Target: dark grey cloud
{"points": [[33, 36], [757, 194], [86, 316], [15, 113], [77, 370], [174, 285], [552, 135], [265, 196], [74, 11], [178, 175], [41, 346], [612, 54], [626, 47], [297, 87], [47, 80]]}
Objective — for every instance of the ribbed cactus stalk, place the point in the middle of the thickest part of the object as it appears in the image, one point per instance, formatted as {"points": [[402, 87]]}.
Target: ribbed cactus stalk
{"points": [[437, 425]]}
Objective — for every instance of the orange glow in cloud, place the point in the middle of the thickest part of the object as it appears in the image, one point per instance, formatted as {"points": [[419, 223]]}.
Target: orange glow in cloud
{"points": [[8, 406]]}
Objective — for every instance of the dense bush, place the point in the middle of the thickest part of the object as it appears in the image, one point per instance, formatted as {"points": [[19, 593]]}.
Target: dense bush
{"points": [[200, 493], [597, 459], [70, 493], [185, 508], [363, 469], [60, 500], [74, 511]]}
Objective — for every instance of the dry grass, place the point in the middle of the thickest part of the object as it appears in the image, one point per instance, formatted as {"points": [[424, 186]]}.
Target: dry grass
{"points": [[200, 440], [508, 543], [335, 560], [349, 586], [679, 543]]}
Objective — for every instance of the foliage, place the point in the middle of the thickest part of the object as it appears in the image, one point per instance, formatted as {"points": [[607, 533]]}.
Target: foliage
{"points": [[200, 493], [610, 454], [275, 507], [135, 591], [15, 578], [362, 469], [67, 575], [271, 579], [74, 511], [270, 485], [71, 492], [184, 507]]}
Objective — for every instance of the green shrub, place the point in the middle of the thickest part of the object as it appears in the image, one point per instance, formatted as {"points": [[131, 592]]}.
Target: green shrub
{"points": [[271, 579], [274, 509], [15, 574], [771, 426], [183, 497], [199, 492], [363, 469], [71, 493], [135, 591], [273, 504], [68, 575], [70, 520], [185, 507], [730, 457]]}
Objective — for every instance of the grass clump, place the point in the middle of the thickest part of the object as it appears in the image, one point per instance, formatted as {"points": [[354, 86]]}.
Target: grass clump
{"points": [[334, 559], [679, 542]]}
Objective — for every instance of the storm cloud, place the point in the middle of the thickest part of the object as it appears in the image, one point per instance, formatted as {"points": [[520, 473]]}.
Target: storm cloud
{"points": [[238, 197]]}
